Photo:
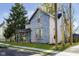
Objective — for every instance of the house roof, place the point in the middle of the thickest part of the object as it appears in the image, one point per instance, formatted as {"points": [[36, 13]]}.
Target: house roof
{"points": [[23, 30], [2, 24], [42, 11]]}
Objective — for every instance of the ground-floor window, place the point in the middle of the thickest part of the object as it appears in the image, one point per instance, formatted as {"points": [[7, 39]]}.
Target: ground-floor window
{"points": [[39, 33]]}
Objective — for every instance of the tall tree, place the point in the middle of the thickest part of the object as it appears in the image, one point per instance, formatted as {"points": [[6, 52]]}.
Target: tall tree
{"points": [[16, 20], [56, 37], [71, 39], [68, 22], [49, 7]]}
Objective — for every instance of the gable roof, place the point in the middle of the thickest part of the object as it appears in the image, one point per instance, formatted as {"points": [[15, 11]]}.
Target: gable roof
{"points": [[41, 11]]}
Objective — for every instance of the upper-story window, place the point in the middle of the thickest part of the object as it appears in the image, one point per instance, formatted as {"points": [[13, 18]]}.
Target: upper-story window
{"points": [[38, 20]]}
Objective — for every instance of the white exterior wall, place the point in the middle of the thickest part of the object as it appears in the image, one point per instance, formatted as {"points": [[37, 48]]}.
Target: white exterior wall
{"points": [[33, 27], [44, 24], [59, 29], [47, 23], [2, 38], [1, 33], [52, 30], [27, 26]]}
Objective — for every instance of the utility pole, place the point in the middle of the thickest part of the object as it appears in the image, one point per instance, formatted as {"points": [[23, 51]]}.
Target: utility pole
{"points": [[71, 38], [56, 39]]}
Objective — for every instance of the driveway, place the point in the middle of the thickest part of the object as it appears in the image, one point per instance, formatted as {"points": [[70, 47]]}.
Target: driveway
{"points": [[72, 51]]}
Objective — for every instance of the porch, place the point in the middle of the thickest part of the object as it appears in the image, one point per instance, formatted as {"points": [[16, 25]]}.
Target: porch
{"points": [[23, 35]]}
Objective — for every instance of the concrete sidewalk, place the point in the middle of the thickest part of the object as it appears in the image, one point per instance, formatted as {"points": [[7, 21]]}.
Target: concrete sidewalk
{"points": [[72, 51]]}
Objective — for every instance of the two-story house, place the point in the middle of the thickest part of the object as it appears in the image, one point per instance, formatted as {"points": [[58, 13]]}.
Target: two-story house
{"points": [[42, 27]]}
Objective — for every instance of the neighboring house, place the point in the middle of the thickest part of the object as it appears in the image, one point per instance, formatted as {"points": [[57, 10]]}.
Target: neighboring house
{"points": [[42, 27], [75, 37], [2, 27]]}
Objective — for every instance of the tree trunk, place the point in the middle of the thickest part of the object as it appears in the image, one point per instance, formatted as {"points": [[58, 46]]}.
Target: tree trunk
{"points": [[71, 39], [56, 39], [63, 25]]}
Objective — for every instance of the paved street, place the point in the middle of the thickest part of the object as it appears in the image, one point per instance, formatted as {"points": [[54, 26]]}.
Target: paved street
{"points": [[13, 52], [21, 52], [72, 51]]}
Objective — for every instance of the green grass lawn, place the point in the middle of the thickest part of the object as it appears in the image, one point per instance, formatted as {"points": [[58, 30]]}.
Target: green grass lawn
{"points": [[34, 45], [41, 46]]}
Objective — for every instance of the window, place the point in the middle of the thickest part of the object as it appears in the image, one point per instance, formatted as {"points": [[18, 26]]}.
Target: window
{"points": [[38, 20], [39, 33]]}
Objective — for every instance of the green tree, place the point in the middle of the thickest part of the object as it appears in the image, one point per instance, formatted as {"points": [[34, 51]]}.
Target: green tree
{"points": [[16, 20], [49, 7]]}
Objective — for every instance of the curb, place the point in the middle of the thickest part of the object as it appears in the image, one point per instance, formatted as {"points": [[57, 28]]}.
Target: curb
{"points": [[30, 48]]}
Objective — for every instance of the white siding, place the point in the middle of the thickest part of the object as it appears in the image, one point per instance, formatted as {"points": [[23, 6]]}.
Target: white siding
{"points": [[2, 38], [27, 26], [34, 26], [44, 24], [52, 30], [59, 27], [47, 24]]}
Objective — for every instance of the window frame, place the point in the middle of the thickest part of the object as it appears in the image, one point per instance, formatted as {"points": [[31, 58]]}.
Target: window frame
{"points": [[39, 33]]}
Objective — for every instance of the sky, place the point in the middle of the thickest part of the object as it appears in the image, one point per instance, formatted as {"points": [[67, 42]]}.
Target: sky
{"points": [[31, 7], [5, 9], [75, 8]]}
